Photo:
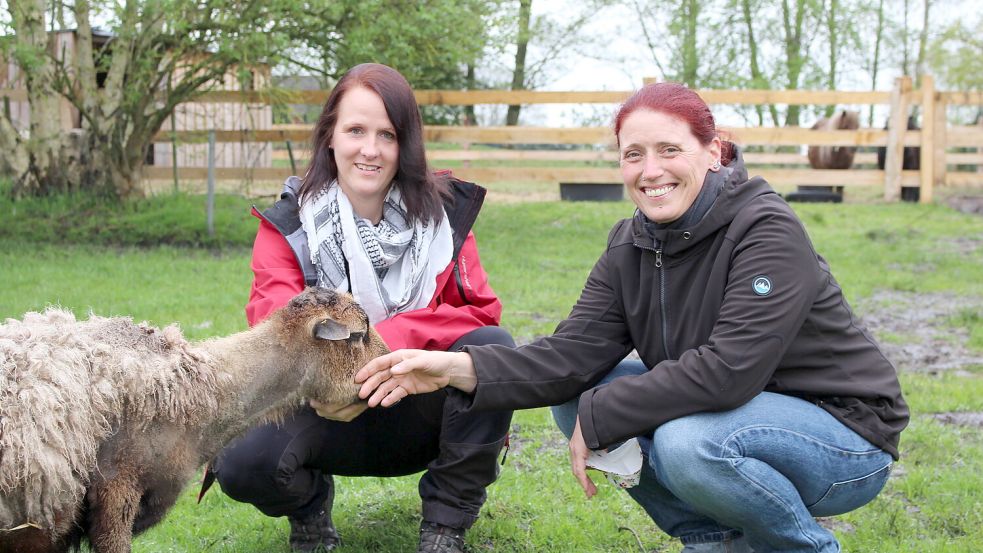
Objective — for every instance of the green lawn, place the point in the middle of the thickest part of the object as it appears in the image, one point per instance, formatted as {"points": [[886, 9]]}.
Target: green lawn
{"points": [[538, 255]]}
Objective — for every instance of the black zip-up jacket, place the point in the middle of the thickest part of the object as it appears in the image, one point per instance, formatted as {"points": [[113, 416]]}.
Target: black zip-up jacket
{"points": [[738, 304]]}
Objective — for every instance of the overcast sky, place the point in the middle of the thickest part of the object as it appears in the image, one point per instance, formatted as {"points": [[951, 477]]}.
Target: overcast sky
{"points": [[630, 61]]}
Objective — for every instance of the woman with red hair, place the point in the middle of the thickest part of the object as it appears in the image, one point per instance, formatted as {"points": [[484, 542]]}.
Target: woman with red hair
{"points": [[758, 400]]}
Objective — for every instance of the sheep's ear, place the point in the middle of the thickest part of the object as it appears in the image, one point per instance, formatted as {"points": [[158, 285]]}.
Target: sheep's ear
{"points": [[331, 330]]}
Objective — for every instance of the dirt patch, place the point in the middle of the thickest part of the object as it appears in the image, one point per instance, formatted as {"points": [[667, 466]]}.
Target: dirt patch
{"points": [[917, 332], [967, 204], [836, 524], [971, 419]]}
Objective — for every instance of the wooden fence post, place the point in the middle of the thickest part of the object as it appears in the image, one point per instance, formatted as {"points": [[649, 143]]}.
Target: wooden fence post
{"points": [[926, 162], [210, 201], [941, 131], [174, 150], [897, 125]]}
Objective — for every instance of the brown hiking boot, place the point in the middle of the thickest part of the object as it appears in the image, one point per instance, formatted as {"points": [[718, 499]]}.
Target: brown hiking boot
{"points": [[437, 538], [315, 532]]}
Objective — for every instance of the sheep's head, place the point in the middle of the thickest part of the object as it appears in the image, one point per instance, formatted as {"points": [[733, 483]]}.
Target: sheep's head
{"points": [[335, 340]]}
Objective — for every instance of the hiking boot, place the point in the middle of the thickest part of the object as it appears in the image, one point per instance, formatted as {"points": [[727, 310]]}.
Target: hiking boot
{"points": [[315, 532], [437, 538]]}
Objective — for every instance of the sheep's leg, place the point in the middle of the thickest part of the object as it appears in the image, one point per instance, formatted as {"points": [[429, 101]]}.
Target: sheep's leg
{"points": [[113, 506]]}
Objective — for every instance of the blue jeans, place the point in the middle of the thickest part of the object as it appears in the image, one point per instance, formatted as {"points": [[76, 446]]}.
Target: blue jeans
{"points": [[752, 478]]}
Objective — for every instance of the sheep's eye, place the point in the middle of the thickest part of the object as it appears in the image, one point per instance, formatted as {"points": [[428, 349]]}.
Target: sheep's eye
{"points": [[356, 336]]}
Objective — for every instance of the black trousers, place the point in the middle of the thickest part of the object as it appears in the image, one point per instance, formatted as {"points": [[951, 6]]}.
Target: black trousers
{"points": [[279, 468]]}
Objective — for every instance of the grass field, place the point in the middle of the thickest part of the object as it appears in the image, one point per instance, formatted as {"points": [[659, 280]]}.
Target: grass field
{"points": [[89, 257]]}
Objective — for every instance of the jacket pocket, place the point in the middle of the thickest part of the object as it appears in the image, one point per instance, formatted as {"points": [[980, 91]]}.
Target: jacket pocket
{"points": [[843, 497]]}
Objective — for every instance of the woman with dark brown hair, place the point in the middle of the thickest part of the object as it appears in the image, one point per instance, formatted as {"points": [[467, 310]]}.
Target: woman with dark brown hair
{"points": [[371, 219], [758, 400]]}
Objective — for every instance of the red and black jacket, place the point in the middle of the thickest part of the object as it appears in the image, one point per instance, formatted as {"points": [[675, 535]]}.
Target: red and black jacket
{"points": [[463, 302]]}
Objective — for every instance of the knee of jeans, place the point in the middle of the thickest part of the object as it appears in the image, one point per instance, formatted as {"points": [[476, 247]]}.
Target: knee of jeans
{"points": [[679, 448], [565, 416]]}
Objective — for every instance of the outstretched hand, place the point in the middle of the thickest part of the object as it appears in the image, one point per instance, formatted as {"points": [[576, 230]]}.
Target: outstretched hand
{"points": [[388, 379]]}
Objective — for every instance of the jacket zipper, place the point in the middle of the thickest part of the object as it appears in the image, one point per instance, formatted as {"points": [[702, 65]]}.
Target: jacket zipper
{"points": [[662, 300], [460, 283]]}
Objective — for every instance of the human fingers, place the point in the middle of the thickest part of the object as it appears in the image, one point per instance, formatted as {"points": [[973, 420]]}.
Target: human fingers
{"points": [[431, 370], [578, 461], [378, 370], [418, 361], [373, 382], [379, 364], [380, 395], [578, 465], [395, 396]]}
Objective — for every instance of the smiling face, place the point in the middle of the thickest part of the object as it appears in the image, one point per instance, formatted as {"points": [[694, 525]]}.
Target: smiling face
{"points": [[365, 151], [663, 164]]}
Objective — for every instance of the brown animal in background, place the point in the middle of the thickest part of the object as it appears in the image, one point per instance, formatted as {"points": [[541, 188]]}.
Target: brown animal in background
{"points": [[104, 421], [834, 157], [910, 156]]}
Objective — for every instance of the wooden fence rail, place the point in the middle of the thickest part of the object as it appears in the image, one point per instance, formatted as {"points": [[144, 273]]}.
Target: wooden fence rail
{"points": [[586, 154]]}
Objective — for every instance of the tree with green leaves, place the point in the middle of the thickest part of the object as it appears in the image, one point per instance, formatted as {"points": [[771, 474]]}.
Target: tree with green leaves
{"points": [[158, 54], [684, 40], [430, 42], [161, 53], [539, 44]]}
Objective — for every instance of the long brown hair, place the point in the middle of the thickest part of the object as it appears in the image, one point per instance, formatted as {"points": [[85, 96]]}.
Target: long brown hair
{"points": [[421, 190]]}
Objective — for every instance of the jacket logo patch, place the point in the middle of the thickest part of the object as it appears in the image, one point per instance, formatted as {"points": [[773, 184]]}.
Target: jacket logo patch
{"points": [[761, 285]]}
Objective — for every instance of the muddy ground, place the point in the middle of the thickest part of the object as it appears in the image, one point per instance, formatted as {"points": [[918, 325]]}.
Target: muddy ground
{"points": [[920, 332]]}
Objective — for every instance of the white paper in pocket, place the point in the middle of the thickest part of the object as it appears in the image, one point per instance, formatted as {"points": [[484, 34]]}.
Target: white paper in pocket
{"points": [[622, 466]]}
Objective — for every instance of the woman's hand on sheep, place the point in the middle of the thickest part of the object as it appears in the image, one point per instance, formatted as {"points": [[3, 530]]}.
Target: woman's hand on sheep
{"points": [[388, 379], [338, 412]]}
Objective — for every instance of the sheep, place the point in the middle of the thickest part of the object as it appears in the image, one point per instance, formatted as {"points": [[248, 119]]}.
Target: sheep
{"points": [[103, 421]]}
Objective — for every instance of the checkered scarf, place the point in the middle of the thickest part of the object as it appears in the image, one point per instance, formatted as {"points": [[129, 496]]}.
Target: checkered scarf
{"points": [[391, 267]]}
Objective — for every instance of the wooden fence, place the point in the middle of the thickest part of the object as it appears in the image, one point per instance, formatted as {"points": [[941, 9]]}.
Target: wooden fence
{"points": [[587, 154]]}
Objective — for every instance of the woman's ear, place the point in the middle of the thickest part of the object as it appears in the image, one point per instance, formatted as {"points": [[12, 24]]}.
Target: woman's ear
{"points": [[716, 148], [714, 151]]}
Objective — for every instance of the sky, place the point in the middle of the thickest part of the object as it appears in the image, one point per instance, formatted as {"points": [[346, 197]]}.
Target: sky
{"points": [[623, 42]]}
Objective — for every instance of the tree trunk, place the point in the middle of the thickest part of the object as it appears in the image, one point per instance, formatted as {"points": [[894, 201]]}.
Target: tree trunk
{"points": [[519, 73], [877, 57], [831, 27], [46, 165], [922, 45], [793, 53], [758, 79], [905, 62], [469, 116], [691, 55]]}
